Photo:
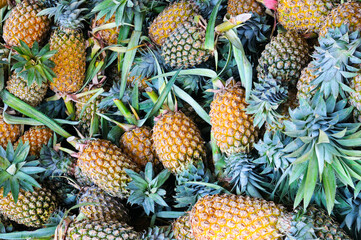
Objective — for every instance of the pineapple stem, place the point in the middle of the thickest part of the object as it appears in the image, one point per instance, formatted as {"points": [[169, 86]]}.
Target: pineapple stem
{"points": [[65, 150], [125, 111], [152, 95], [70, 108], [125, 127]]}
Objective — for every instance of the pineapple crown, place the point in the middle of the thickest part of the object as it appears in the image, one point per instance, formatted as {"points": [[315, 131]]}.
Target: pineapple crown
{"points": [[146, 64], [112, 94], [194, 183], [145, 189], [264, 101], [335, 60], [18, 170], [67, 13], [323, 145], [254, 32], [243, 174], [34, 64], [300, 227], [158, 233]]}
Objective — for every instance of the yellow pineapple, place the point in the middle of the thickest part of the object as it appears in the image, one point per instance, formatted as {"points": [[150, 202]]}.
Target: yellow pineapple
{"points": [[348, 13], [304, 86], [177, 141], [236, 7], [169, 19], [8, 132], [104, 163], [232, 127], [108, 35], [24, 24]]}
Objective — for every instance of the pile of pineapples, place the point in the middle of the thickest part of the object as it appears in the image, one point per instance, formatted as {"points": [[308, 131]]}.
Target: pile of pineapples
{"points": [[180, 119]]}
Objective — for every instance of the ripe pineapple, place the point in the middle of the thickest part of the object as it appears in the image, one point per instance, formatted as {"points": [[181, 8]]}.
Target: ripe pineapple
{"points": [[184, 47], [106, 208], [37, 137], [182, 228], [24, 24], [104, 163], [304, 87], [348, 13], [69, 42], [355, 97], [169, 19], [177, 141], [138, 145], [239, 217], [238, 7], [303, 16], [232, 128], [284, 57], [108, 35], [8, 132]]}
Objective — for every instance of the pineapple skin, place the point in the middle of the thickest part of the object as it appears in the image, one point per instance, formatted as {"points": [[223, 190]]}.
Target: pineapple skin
{"points": [[69, 61], [184, 47], [347, 13], [104, 163], [355, 97], [303, 16], [32, 95], [182, 228], [235, 217], [37, 137], [236, 7], [177, 141], [284, 57], [232, 128], [33, 209], [304, 87], [138, 145], [168, 20], [3, 3], [88, 229], [24, 24], [106, 209], [8, 132], [109, 35]]}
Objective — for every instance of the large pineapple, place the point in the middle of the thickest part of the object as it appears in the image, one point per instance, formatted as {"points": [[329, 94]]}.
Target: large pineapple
{"points": [[184, 47], [37, 137], [24, 24], [238, 7], [169, 19], [284, 57], [239, 217], [69, 41], [303, 16], [137, 144], [348, 13], [232, 127], [104, 163], [8, 132], [177, 141]]}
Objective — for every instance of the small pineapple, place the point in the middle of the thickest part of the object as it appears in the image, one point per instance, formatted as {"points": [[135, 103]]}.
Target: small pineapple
{"points": [[177, 141], [8, 132], [303, 16], [104, 163], [238, 7], [137, 144], [284, 57], [347, 13], [182, 228], [232, 127], [106, 208], [37, 137], [24, 24], [169, 19]]}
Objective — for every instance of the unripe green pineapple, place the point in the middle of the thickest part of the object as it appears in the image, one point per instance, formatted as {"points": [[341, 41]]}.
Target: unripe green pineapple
{"points": [[284, 57], [184, 47]]}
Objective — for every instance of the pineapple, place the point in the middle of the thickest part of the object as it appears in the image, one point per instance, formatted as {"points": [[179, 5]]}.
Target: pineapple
{"points": [[182, 228], [68, 40], [232, 127], [284, 57], [177, 141], [37, 137], [8, 132], [108, 35], [304, 85], [19, 200], [106, 208], [348, 13], [169, 19], [303, 16], [184, 47], [238, 7], [137, 144], [240, 217], [24, 24], [104, 163], [355, 97]]}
